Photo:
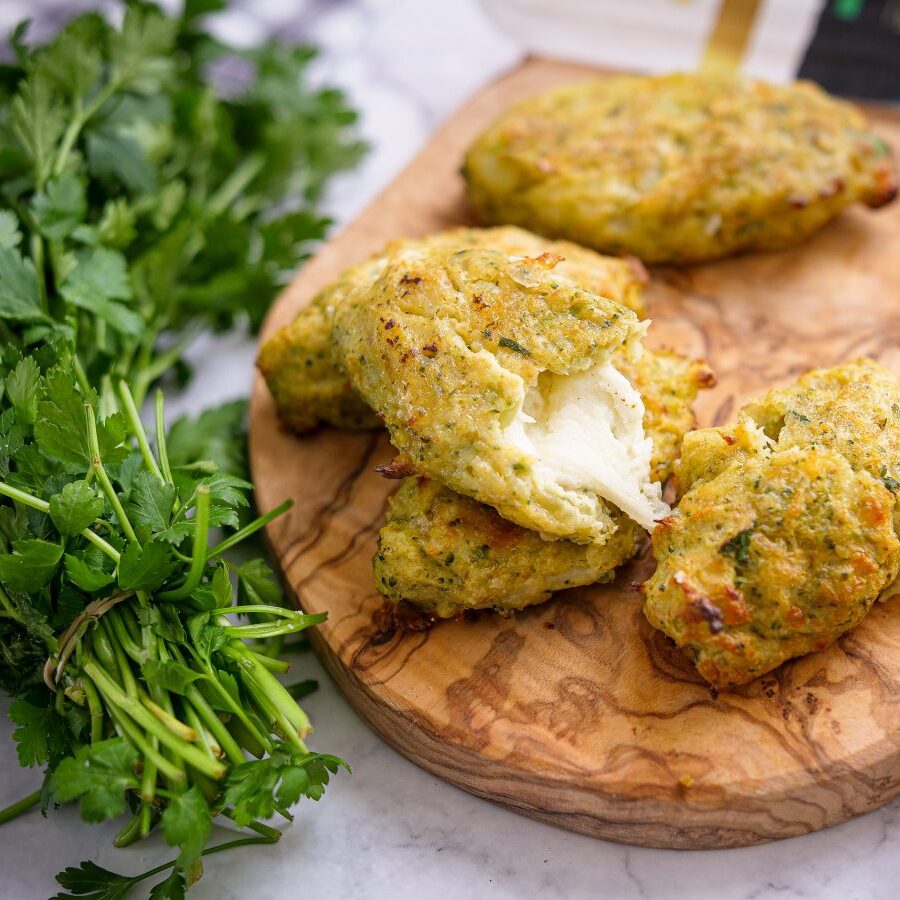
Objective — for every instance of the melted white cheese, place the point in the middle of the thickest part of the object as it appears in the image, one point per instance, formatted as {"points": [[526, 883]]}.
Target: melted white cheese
{"points": [[586, 432]]}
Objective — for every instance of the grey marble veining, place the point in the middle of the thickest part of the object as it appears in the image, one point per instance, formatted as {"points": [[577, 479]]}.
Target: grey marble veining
{"points": [[391, 830]]}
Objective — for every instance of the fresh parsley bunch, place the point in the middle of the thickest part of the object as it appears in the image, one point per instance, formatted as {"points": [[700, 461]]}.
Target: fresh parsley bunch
{"points": [[138, 205], [143, 202], [156, 699]]}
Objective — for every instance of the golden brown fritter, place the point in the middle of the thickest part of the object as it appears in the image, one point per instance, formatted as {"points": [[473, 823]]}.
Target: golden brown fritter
{"points": [[707, 451], [299, 368], [307, 386], [854, 409], [306, 383], [678, 168], [785, 533], [622, 279], [446, 553], [776, 556], [462, 352]]}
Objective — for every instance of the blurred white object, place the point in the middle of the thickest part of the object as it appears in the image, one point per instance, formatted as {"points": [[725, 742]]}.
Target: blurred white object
{"points": [[659, 35]]}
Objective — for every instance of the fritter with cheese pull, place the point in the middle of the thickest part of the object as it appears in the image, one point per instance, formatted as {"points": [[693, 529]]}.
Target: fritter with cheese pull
{"points": [[445, 553], [297, 362], [785, 532], [494, 376]]}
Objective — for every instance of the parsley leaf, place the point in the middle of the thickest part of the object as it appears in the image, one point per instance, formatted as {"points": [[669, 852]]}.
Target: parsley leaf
{"points": [[22, 389], [255, 788], [61, 207], [10, 236], [169, 674], [84, 576], [186, 823], [170, 888], [257, 583], [75, 508], [98, 775], [99, 279], [31, 565], [145, 568], [20, 298], [38, 736], [91, 882], [150, 504], [216, 436]]}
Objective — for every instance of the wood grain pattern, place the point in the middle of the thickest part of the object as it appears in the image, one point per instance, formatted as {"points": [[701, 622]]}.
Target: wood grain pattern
{"points": [[577, 712]]}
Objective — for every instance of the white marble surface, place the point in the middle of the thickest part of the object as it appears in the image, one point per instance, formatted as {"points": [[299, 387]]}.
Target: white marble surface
{"points": [[390, 829]]}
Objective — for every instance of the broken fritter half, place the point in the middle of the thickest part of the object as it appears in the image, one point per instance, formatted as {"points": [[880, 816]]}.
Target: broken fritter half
{"points": [[446, 553], [786, 530], [306, 382], [494, 376], [678, 168]]}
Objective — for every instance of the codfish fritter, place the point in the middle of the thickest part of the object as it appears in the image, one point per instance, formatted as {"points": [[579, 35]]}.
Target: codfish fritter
{"points": [[446, 553], [297, 362], [678, 168], [785, 534], [306, 384], [493, 376]]}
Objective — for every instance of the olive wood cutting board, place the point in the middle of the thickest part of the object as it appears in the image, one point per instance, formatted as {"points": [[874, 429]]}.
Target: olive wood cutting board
{"points": [[577, 712]]}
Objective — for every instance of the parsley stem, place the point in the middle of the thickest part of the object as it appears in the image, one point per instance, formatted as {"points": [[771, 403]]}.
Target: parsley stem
{"points": [[264, 631], [242, 842], [270, 694], [81, 376], [252, 528], [264, 838], [161, 446], [173, 724], [215, 725], [147, 810], [279, 666], [148, 373], [137, 428], [131, 830], [206, 740], [127, 676], [37, 253], [14, 810], [103, 478], [15, 494], [129, 645], [198, 558], [232, 186], [133, 735], [148, 776], [255, 825], [94, 707], [230, 703], [98, 541], [82, 116], [191, 754], [279, 611]]}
